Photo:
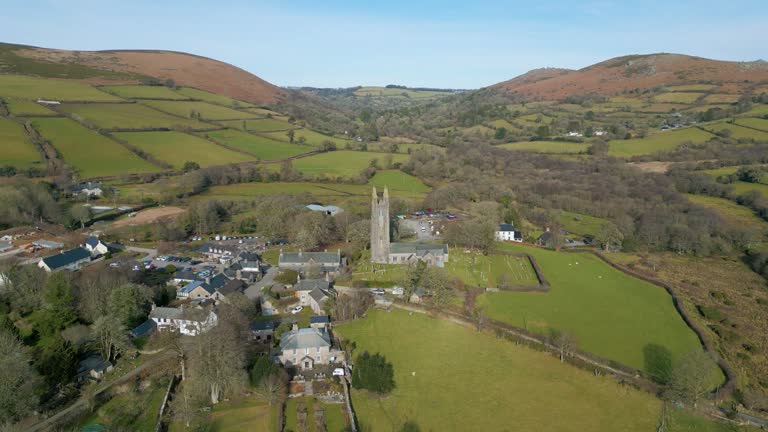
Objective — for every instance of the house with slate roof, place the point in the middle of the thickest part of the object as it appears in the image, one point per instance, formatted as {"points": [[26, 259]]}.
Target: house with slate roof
{"points": [[507, 232], [319, 321], [187, 321], [326, 262], [70, 260], [305, 348], [263, 331], [405, 253], [195, 290], [231, 287], [95, 246]]}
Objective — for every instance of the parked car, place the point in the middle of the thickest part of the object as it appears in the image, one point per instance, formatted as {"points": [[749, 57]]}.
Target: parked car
{"points": [[378, 291], [398, 291], [338, 372], [115, 264], [297, 309]]}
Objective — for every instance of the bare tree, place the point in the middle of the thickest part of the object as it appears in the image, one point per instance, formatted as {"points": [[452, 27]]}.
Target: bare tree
{"points": [[691, 378], [18, 380], [110, 336], [273, 387], [565, 343]]}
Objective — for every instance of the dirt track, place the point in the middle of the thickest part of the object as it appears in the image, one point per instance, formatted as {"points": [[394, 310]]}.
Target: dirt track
{"points": [[149, 216]]}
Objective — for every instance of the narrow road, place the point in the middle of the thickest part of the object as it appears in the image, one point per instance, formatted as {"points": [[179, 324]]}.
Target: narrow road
{"points": [[254, 291], [49, 423], [150, 253]]}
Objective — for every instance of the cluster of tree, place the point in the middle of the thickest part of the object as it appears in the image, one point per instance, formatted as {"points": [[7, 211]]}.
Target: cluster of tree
{"points": [[374, 373], [749, 174], [647, 210], [51, 321], [23, 202]]}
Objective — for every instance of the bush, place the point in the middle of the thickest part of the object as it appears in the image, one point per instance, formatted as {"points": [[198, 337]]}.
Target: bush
{"points": [[374, 373], [710, 313], [287, 277]]}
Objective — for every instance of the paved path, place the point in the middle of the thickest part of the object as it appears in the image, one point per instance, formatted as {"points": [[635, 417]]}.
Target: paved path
{"points": [[253, 291], [50, 422], [150, 253]]}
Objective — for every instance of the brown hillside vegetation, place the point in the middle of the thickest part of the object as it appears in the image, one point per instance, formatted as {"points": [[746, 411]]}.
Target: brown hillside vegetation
{"points": [[184, 69], [632, 72]]}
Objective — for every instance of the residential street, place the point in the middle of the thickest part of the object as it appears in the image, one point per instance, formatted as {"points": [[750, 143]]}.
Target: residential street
{"points": [[253, 291]]}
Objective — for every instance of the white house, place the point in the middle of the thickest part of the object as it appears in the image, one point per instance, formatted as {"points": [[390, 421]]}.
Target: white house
{"points": [[506, 232], [599, 132], [307, 347], [187, 321], [95, 246], [69, 260]]}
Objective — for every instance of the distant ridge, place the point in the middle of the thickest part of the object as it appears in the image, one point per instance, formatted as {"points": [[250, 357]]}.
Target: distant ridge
{"points": [[631, 72]]}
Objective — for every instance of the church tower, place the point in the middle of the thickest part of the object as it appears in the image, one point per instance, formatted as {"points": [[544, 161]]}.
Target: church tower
{"points": [[380, 227]]}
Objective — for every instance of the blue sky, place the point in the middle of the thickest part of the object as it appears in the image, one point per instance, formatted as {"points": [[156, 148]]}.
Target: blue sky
{"points": [[454, 44]]}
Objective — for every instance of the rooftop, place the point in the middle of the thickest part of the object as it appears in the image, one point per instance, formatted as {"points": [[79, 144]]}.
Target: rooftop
{"points": [[311, 284], [305, 257], [418, 248], [305, 338], [66, 258], [319, 319], [506, 227]]}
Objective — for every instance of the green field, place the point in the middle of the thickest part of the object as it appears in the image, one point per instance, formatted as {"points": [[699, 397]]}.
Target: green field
{"points": [[15, 147], [693, 87], [91, 154], [722, 98], [251, 414], [129, 116], [26, 87], [334, 415], [310, 137], [610, 314], [342, 163], [262, 148], [731, 212], [406, 148], [758, 110], [737, 131], [398, 180], [483, 271], [450, 378], [212, 97], [662, 141], [578, 223], [207, 111], [263, 112], [20, 107], [176, 148], [683, 98], [143, 92], [260, 125], [752, 122], [547, 146], [247, 191], [373, 91], [743, 187], [135, 410]]}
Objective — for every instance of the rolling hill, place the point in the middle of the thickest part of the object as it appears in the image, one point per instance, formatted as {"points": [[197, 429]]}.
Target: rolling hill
{"points": [[134, 66], [627, 73]]}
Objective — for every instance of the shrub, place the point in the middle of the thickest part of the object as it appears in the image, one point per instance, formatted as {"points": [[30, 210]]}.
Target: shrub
{"points": [[710, 313], [374, 373]]}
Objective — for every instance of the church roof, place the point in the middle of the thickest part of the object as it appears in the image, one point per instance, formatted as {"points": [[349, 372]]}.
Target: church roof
{"points": [[418, 249], [305, 257]]}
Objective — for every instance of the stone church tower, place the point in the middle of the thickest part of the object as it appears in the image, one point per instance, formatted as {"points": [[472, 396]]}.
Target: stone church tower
{"points": [[380, 227]]}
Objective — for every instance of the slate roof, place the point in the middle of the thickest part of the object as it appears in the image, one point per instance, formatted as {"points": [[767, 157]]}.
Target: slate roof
{"points": [[217, 281], [305, 257], [94, 363], [48, 244], [189, 314], [311, 284], [418, 249], [262, 325], [304, 338], [319, 319], [319, 295], [185, 275], [66, 258], [249, 256], [144, 328], [92, 241], [188, 288], [235, 285], [506, 227]]}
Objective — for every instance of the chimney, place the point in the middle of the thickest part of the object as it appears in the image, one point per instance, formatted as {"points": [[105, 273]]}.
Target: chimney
{"points": [[300, 253], [153, 306], [208, 280], [295, 327], [298, 277], [328, 278]]}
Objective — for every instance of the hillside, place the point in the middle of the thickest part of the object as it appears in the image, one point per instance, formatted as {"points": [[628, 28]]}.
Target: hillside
{"points": [[627, 73], [132, 66]]}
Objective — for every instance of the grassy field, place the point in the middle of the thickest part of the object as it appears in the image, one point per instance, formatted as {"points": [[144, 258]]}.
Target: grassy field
{"points": [[737, 131], [406, 148], [251, 414], [26, 87], [692, 87], [547, 146], [682, 98], [374, 91], [758, 110], [334, 415], [91, 154], [262, 148], [15, 147], [662, 141], [263, 112], [176, 148], [342, 163], [137, 410], [722, 98], [578, 223], [128, 116], [752, 122], [260, 125], [212, 97], [484, 271], [310, 137], [731, 212], [143, 92], [398, 180], [20, 107], [247, 191], [207, 111], [743, 187], [610, 314], [450, 378]]}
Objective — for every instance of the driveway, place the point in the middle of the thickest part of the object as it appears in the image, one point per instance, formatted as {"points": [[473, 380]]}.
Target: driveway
{"points": [[253, 291], [150, 253]]}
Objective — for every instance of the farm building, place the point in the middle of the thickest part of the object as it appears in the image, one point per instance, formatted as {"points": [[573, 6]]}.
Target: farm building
{"points": [[93, 367], [70, 260]]}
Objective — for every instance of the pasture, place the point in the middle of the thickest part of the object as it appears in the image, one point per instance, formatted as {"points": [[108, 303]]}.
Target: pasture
{"points": [[736, 131], [398, 180], [692, 87], [758, 110], [143, 92], [514, 387], [407, 148], [661, 141], [263, 112], [547, 146], [27, 108], [308, 136], [247, 191], [373, 91], [578, 223], [756, 123], [341, 163], [731, 212], [90, 153], [717, 98], [176, 148], [261, 147], [743, 187], [206, 110], [259, 125], [479, 270], [681, 98], [128, 117], [610, 314], [31, 88], [251, 414], [212, 97], [137, 410], [15, 147]]}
